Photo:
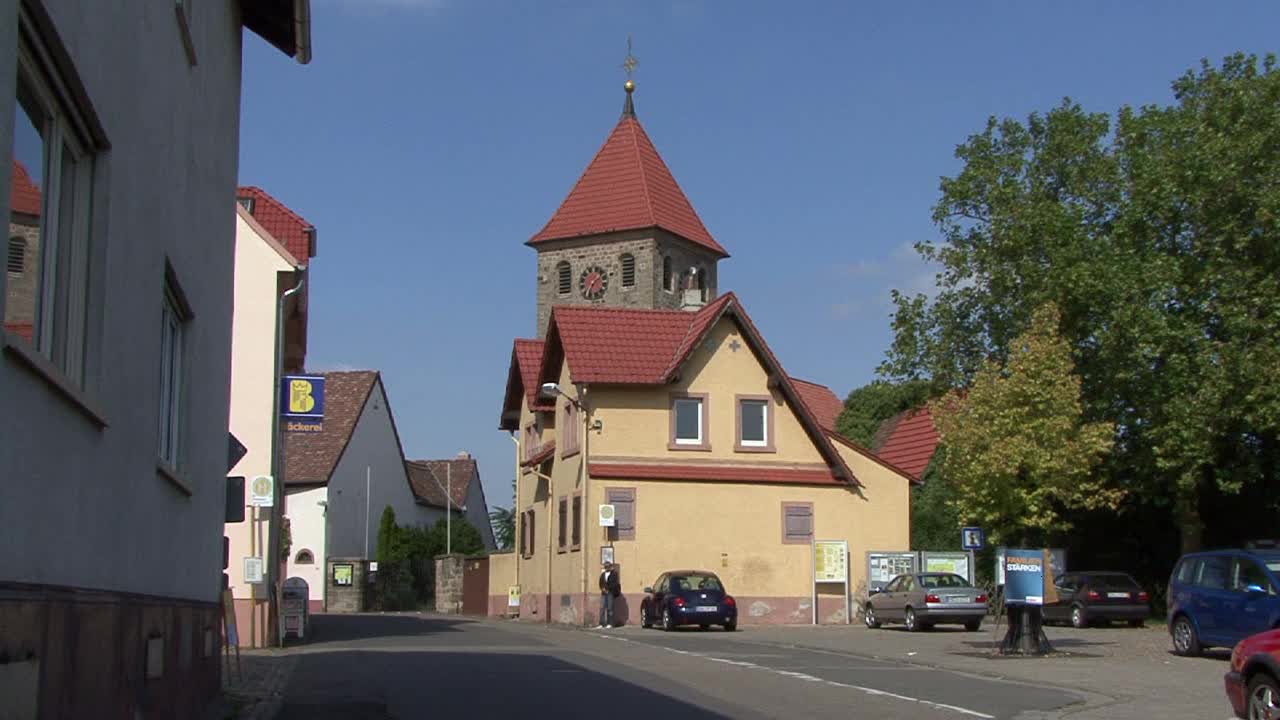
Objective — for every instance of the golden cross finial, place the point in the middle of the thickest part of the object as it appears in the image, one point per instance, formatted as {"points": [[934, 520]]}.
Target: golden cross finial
{"points": [[630, 63]]}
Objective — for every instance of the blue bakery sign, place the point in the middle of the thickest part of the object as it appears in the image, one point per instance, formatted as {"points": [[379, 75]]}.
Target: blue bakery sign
{"points": [[302, 403], [1024, 576]]}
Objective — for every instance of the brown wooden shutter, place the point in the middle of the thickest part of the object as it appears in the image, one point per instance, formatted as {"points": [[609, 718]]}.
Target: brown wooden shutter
{"points": [[577, 521], [563, 536], [624, 502], [797, 522]]}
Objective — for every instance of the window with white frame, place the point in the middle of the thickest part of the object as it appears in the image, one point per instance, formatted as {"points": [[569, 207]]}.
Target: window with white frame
{"points": [[753, 422], [173, 323], [53, 174], [688, 422]]}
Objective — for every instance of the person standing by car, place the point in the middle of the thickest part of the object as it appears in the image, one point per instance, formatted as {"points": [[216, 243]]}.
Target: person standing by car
{"points": [[610, 589]]}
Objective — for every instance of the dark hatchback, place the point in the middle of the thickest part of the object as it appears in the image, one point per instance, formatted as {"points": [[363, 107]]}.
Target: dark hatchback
{"points": [[688, 597], [1085, 598]]}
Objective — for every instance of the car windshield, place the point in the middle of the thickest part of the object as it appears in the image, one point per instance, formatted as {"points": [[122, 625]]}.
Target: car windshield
{"points": [[943, 581], [1112, 581], [695, 582]]}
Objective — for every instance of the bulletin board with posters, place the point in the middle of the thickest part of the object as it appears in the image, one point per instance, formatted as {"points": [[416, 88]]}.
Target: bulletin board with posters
{"points": [[956, 562], [883, 566], [831, 567]]}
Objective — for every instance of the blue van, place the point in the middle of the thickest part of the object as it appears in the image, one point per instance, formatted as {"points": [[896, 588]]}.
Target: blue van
{"points": [[1219, 598]]}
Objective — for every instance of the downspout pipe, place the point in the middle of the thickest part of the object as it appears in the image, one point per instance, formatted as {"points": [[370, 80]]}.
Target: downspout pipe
{"points": [[515, 508], [272, 559], [583, 476]]}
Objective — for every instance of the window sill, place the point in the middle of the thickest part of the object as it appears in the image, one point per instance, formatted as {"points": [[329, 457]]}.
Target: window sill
{"points": [[570, 453], [576, 548], [703, 447], [755, 449], [174, 477], [41, 366]]}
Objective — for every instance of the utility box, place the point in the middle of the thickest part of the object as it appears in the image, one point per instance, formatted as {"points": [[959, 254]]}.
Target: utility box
{"points": [[295, 614]]}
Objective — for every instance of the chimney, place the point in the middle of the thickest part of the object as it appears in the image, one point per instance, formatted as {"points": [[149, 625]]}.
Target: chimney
{"points": [[692, 297], [464, 455]]}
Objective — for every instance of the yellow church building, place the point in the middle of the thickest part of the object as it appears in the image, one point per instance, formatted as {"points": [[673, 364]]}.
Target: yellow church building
{"points": [[650, 392]]}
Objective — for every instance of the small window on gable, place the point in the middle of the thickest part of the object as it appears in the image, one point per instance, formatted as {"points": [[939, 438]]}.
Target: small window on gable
{"points": [[564, 278], [668, 278], [701, 282], [569, 440], [755, 423], [17, 260], [246, 202], [689, 422], [304, 557], [628, 270]]}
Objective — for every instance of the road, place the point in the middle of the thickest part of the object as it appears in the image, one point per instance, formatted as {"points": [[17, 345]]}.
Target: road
{"points": [[375, 667]]}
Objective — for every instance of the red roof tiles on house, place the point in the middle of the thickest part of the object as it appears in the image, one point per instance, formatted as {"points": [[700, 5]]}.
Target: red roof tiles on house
{"points": [[910, 441], [624, 345], [24, 195], [627, 186], [292, 230], [430, 478], [311, 457], [529, 358], [823, 403], [23, 330]]}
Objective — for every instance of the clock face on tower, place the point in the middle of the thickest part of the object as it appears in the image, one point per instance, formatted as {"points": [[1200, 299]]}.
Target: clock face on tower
{"points": [[593, 283]]}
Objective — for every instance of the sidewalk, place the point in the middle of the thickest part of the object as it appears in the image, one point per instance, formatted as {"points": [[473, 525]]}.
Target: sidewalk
{"points": [[254, 690]]}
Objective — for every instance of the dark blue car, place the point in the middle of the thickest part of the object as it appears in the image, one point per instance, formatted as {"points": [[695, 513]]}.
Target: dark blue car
{"points": [[688, 597], [1219, 598]]}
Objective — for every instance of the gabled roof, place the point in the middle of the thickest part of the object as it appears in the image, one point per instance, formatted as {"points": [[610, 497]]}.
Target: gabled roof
{"points": [[429, 478], [311, 458], [649, 347], [286, 24], [522, 381], [288, 227], [627, 186], [24, 195], [823, 403], [907, 440]]}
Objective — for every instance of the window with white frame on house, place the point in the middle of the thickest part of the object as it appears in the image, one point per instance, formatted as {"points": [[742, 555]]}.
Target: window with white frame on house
{"points": [[688, 422], [755, 418], [53, 174], [174, 317]]}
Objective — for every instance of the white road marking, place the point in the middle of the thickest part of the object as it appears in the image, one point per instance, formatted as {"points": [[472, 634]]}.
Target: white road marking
{"points": [[810, 678]]}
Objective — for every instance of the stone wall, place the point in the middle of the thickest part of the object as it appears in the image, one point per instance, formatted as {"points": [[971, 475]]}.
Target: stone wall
{"points": [[20, 291], [449, 583], [351, 598], [648, 246]]}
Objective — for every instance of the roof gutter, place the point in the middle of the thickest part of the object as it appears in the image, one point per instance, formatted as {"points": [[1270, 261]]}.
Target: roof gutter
{"points": [[302, 30]]}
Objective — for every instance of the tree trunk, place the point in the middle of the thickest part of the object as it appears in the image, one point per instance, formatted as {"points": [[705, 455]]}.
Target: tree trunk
{"points": [[1189, 522]]}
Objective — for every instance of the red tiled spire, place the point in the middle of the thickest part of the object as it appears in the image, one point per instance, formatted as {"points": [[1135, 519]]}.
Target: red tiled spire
{"points": [[627, 186], [24, 195]]}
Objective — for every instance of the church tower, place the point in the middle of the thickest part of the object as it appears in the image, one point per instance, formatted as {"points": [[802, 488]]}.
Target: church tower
{"points": [[626, 236]]}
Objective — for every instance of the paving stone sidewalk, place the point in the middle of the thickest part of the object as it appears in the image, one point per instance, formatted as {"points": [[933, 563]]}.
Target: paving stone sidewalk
{"points": [[254, 690]]}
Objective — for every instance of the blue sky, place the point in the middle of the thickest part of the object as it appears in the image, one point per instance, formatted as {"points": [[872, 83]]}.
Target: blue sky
{"points": [[429, 139]]}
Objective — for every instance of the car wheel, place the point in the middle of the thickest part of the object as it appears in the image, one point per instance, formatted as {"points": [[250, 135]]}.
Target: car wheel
{"points": [[731, 626], [973, 625], [704, 627], [1185, 640], [909, 619], [1264, 698], [1137, 623], [645, 621], [667, 623], [1078, 618], [869, 617]]}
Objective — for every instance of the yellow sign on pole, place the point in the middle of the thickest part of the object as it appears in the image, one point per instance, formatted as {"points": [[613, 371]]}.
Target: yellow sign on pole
{"points": [[830, 561]]}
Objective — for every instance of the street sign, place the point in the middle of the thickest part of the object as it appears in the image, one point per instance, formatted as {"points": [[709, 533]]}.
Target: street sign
{"points": [[608, 516], [972, 538], [253, 570], [262, 491], [302, 403]]}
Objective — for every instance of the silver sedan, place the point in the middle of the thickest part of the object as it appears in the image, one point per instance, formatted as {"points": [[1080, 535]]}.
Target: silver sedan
{"points": [[922, 600]]}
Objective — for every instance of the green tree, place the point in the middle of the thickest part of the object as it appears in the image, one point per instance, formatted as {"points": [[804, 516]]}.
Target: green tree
{"points": [[867, 407], [504, 526], [1158, 237], [935, 521], [1019, 454], [466, 539]]}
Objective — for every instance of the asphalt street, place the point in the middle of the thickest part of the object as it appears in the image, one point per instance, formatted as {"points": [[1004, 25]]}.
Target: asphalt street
{"points": [[374, 667]]}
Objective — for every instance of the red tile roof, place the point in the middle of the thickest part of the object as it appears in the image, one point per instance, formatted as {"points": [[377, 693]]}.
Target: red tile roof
{"points": [[311, 457], [291, 229], [624, 345], [626, 187], [908, 440], [24, 196], [522, 381], [429, 478], [823, 403], [722, 473]]}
